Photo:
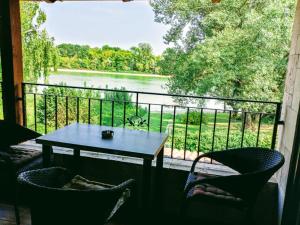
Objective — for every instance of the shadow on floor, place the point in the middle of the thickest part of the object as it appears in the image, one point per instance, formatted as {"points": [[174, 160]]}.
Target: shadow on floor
{"points": [[7, 217]]}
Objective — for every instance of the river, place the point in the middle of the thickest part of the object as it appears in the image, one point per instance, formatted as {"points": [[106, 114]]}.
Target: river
{"points": [[129, 82]]}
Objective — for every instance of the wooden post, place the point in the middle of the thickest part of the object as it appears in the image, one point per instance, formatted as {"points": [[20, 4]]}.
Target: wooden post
{"points": [[11, 59]]}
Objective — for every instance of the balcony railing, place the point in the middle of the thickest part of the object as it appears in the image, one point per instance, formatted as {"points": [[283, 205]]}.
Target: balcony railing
{"points": [[1, 102], [193, 129], [195, 124]]}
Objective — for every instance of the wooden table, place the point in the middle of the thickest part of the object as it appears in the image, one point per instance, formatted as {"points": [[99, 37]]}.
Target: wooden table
{"points": [[126, 142]]}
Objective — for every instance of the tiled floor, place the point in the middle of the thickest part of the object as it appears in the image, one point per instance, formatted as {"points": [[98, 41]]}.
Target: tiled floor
{"points": [[7, 215]]}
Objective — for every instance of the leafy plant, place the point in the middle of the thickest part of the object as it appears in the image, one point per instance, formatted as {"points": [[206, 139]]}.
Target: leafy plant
{"points": [[39, 52], [119, 96], [194, 118]]}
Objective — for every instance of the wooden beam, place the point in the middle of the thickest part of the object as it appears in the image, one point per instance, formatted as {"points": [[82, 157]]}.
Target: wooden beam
{"points": [[11, 59]]}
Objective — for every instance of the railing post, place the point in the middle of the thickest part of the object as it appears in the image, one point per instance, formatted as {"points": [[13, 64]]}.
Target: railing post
{"points": [[276, 123], [137, 104], [24, 105]]}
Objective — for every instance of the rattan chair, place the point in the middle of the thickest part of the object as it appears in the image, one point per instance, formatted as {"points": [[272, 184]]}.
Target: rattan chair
{"points": [[50, 203], [255, 166], [15, 161]]}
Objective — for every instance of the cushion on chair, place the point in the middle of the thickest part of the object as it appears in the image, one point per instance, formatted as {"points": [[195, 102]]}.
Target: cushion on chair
{"points": [[21, 156], [208, 191], [81, 183]]}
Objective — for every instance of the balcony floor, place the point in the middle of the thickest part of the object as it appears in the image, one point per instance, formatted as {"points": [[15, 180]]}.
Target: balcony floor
{"points": [[7, 216]]}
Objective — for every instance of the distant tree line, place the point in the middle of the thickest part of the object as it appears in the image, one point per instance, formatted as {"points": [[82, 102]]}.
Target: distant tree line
{"points": [[139, 58]]}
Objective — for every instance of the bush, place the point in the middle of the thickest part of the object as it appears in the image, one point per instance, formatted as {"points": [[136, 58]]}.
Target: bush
{"points": [[194, 118], [60, 93], [220, 140], [117, 96]]}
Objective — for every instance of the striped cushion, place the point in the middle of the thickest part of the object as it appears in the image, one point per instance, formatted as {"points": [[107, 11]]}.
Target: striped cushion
{"points": [[211, 192], [81, 183]]}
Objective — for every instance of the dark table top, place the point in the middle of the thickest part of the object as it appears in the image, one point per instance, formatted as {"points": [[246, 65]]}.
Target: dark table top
{"points": [[88, 137]]}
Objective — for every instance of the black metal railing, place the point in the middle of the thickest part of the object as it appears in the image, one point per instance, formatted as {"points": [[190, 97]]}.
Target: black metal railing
{"points": [[1, 102], [193, 126]]}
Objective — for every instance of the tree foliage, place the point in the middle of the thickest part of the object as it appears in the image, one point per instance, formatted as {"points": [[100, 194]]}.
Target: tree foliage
{"points": [[140, 58], [235, 49], [39, 53]]}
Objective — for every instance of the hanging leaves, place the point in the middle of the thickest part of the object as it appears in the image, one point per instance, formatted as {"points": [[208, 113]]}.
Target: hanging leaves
{"points": [[39, 52]]}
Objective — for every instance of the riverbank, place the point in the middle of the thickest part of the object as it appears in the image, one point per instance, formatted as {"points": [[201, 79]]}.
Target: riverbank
{"points": [[112, 73]]}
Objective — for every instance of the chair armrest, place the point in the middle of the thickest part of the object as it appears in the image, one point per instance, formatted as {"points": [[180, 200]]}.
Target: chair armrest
{"points": [[206, 155], [228, 158], [127, 184]]}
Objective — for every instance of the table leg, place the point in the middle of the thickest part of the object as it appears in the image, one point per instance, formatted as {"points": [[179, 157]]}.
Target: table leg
{"points": [[146, 185], [158, 191], [47, 150], [76, 162]]}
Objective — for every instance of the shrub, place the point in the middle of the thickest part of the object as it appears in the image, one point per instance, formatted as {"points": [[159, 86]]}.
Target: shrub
{"points": [[220, 139], [194, 118], [118, 96]]}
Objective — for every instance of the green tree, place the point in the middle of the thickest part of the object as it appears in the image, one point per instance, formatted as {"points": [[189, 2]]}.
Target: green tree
{"points": [[39, 53], [143, 58], [140, 58], [234, 49]]}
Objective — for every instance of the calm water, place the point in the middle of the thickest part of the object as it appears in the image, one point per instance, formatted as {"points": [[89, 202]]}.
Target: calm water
{"points": [[131, 83]]}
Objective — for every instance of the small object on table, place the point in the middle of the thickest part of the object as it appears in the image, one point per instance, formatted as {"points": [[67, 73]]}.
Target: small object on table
{"points": [[107, 134]]}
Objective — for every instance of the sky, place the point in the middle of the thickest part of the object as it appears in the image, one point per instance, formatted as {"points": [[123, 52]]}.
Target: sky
{"points": [[98, 23]]}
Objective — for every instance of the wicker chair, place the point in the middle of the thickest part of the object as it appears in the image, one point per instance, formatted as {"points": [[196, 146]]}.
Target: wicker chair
{"points": [[50, 203], [15, 161], [255, 166]]}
